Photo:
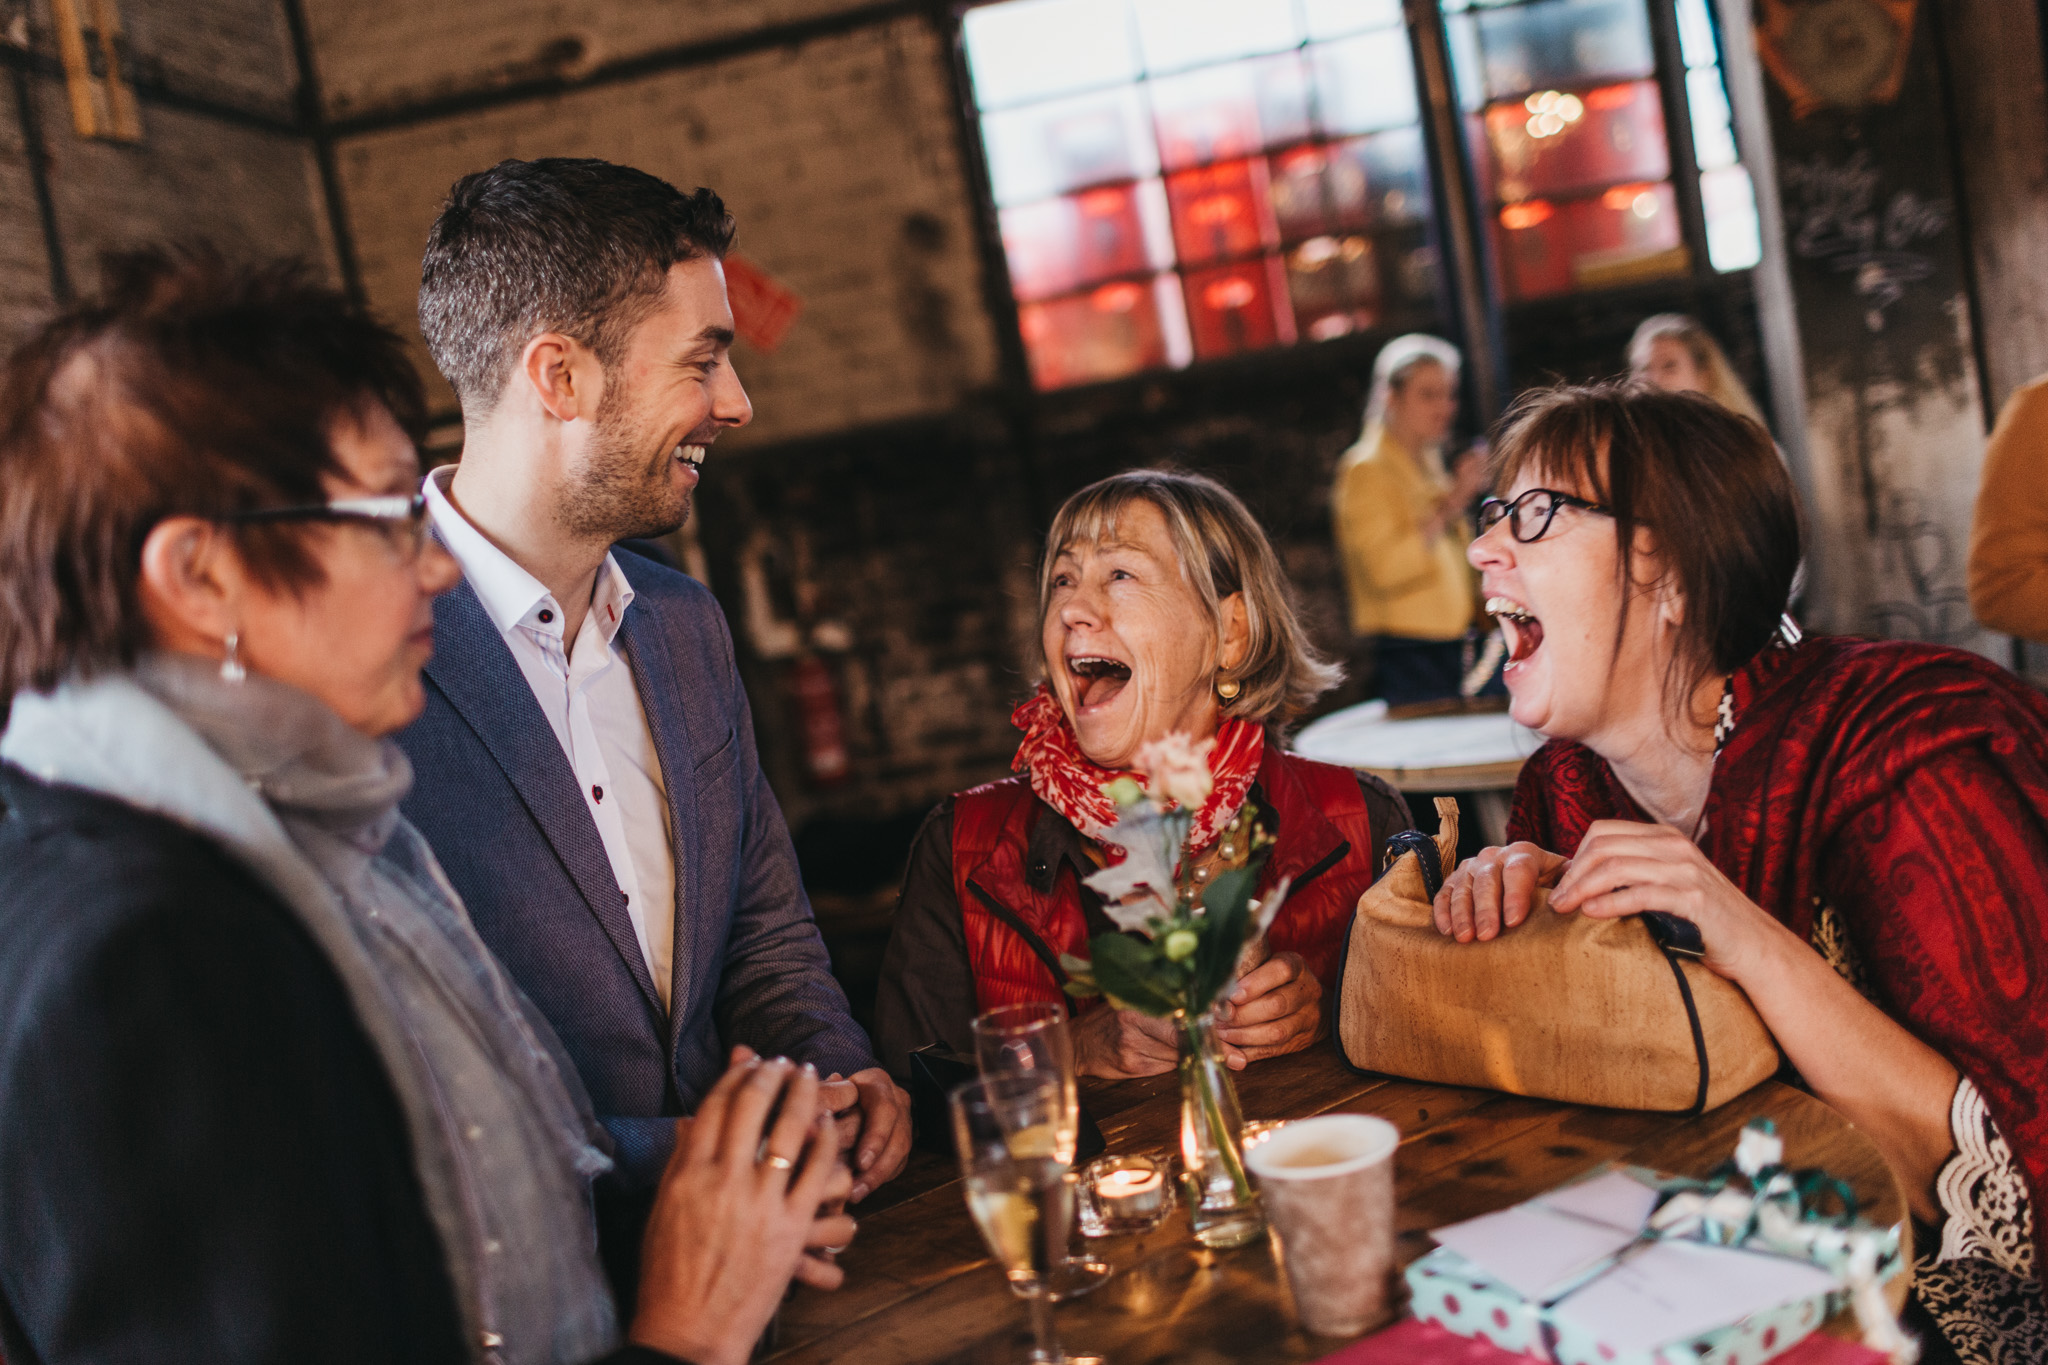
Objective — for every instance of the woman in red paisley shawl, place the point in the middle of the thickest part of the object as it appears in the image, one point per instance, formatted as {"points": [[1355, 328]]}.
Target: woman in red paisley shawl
{"points": [[1858, 828], [1162, 610]]}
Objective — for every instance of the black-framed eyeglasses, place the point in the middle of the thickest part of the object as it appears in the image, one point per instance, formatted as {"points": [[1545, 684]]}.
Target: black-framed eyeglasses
{"points": [[401, 517], [1528, 516]]}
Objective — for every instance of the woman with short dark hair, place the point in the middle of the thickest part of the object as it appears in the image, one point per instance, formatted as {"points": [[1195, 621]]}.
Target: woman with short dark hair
{"points": [[1859, 829], [1162, 610], [264, 1094]]}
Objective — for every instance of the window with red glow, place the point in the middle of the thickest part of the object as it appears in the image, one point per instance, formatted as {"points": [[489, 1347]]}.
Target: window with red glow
{"points": [[1180, 180], [1566, 126]]}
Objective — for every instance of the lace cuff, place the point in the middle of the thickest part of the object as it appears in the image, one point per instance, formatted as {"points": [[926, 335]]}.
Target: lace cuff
{"points": [[1982, 1192]]}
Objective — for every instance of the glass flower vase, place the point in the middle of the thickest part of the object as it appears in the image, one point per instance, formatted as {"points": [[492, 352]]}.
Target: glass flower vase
{"points": [[1222, 1204]]}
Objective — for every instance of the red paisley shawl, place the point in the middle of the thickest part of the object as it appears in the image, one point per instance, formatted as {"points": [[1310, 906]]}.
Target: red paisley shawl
{"points": [[1065, 780], [1906, 786]]}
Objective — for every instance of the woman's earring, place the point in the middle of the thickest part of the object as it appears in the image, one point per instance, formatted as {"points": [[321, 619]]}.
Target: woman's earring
{"points": [[1228, 690], [231, 670]]}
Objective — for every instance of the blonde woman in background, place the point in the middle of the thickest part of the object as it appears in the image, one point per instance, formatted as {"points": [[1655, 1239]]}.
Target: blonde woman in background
{"points": [[1401, 528], [1675, 353]]}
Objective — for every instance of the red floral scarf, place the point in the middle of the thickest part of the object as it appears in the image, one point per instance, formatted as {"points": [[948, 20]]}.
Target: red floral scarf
{"points": [[1065, 780]]}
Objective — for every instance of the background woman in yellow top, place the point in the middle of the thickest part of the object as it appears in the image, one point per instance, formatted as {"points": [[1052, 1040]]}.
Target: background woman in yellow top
{"points": [[1401, 528]]}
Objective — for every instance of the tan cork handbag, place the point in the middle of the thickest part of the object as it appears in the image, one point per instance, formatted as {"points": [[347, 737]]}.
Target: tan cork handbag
{"points": [[1562, 1007]]}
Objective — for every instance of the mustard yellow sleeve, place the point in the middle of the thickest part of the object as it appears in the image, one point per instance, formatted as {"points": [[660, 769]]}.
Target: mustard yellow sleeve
{"points": [[2008, 571], [1377, 530]]}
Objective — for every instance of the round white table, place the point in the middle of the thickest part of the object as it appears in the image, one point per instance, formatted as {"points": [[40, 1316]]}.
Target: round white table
{"points": [[1481, 754]]}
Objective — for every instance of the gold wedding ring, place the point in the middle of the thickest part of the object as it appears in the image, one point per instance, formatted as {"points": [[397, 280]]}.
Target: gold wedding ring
{"points": [[780, 1163]]}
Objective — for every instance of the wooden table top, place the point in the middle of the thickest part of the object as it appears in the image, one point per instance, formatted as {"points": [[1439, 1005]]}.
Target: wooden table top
{"points": [[920, 1287]]}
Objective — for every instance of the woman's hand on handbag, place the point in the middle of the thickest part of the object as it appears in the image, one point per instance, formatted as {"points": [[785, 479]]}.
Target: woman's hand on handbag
{"points": [[1276, 1008], [1494, 890], [1847, 1050], [1625, 868]]}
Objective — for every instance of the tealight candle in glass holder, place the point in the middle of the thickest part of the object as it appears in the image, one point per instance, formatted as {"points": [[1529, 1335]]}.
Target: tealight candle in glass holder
{"points": [[1124, 1194]]}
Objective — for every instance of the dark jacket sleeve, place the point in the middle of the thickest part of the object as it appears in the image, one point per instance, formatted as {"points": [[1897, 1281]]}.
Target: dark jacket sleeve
{"points": [[926, 993], [200, 1157], [778, 994]]}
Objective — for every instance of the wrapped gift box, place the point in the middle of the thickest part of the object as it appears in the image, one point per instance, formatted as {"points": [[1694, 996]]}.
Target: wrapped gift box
{"points": [[1409, 1342], [1629, 1267], [1455, 1294]]}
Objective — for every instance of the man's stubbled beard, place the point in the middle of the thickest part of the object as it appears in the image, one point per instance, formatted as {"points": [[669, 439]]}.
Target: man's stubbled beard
{"points": [[623, 491]]}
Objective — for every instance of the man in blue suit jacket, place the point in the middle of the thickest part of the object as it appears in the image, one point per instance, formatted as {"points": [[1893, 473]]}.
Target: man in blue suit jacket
{"points": [[586, 767]]}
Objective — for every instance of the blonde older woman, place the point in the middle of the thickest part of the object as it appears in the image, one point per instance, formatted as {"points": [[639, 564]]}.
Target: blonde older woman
{"points": [[1399, 518], [1162, 609]]}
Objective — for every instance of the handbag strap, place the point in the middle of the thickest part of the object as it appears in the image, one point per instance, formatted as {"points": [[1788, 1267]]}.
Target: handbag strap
{"points": [[1426, 855], [1692, 1017]]}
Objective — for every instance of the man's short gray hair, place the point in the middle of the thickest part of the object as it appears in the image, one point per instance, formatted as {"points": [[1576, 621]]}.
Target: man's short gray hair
{"points": [[570, 245]]}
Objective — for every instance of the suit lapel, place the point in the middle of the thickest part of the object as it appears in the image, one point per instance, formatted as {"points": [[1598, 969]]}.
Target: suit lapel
{"points": [[474, 669], [656, 677]]}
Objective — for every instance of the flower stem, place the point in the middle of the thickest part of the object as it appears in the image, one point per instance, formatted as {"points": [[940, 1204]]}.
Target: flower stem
{"points": [[1201, 1059]]}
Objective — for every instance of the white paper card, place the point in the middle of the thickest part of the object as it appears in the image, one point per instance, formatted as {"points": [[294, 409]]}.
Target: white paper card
{"points": [[1541, 1246], [1673, 1291], [1612, 1198], [1531, 1249]]}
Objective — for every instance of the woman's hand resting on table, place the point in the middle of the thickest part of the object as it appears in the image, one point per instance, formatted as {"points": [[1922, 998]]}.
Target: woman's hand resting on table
{"points": [[1274, 1009], [740, 1212], [1622, 868]]}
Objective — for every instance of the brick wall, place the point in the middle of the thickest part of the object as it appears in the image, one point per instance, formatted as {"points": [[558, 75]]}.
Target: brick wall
{"points": [[24, 257], [918, 545], [837, 156], [384, 56], [222, 156]]}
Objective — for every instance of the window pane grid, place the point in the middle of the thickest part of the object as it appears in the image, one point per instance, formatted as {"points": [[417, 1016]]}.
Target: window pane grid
{"points": [[1231, 175]]}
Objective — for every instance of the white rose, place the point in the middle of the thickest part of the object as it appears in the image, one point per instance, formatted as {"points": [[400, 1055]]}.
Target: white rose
{"points": [[1177, 769]]}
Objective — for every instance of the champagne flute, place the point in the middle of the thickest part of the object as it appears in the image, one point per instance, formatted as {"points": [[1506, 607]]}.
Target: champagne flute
{"points": [[1006, 1130], [1032, 1039]]}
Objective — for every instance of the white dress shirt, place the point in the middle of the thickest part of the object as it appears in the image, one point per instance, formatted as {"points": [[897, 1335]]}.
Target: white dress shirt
{"points": [[589, 697]]}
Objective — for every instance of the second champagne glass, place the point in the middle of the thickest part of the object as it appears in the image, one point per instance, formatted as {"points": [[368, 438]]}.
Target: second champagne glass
{"points": [[1017, 1190], [1032, 1039]]}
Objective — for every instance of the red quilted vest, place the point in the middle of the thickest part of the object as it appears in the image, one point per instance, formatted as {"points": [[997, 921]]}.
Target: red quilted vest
{"points": [[1015, 933]]}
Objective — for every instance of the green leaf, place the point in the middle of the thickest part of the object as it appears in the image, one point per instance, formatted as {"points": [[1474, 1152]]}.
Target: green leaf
{"points": [[1226, 920], [1232, 889], [1080, 976], [1127, 972]]}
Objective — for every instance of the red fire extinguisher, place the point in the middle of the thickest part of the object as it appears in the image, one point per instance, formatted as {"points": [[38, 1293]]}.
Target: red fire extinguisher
{"points": [[824, 730]]}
